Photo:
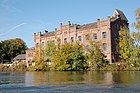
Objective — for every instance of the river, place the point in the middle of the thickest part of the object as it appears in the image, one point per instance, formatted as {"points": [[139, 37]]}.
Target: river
{"points": [[70, 82]]}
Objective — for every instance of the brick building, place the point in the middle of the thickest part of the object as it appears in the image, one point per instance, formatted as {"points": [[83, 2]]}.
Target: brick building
{"points": [[105, 31]]}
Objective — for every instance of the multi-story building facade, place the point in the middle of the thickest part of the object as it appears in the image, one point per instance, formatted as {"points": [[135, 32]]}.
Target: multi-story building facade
{"points": [[105, 31]]}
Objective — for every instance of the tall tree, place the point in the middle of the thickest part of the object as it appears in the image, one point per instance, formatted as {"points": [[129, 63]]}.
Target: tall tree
{"points": [[40, 64], [11, 48], [78, 57], [70, 57], [135, 58], [125, 44], [50, 51], [96, 58]]}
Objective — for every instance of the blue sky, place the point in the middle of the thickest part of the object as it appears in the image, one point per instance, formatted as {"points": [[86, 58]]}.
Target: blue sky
{"points": [[23, 18]]}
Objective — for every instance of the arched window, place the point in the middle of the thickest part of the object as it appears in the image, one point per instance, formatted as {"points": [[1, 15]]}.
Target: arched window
{"points": [[87, 37], [95, 36], [43, 44], [104, 35], [79, 38], [104, 46], [72, 39], [65, 40], [37, 45]]}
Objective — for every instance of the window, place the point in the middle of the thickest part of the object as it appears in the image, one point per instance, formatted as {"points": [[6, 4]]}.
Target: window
{"points": [[104, 35], [104, 46], [79, 38], [43, 44], [65, 40], [95, 36], [30, 55], [65, 32], [87, 37], [72, 39]]}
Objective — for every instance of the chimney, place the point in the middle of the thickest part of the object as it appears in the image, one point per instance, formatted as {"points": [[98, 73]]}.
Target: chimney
{"points": [[61, 27], [68, 22], [69, 26], [108, 17], [34, 37], [55, 29], [60, 24], [98, 22], [40, 33]]}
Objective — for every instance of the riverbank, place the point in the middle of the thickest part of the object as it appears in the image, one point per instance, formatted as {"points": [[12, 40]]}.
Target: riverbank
{"points": [[107, 67]]}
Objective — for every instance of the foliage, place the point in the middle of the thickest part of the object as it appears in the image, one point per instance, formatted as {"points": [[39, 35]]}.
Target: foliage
{"points": [[137, 23], [50, 51], [135, 58], [125, 43], [95, 56], [11, 48], [40, 64], [70, 57], [20, 67], [130, 44]]}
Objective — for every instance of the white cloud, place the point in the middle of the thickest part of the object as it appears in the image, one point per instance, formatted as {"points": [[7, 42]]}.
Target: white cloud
{"points": [[13, 28]]}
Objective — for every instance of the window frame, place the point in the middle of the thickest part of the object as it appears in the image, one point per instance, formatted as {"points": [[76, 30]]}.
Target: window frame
{"points": [[65, 40], [80, 38], [95, 37], [87, 37], [104, 35], [72, 39], [105, 46]]}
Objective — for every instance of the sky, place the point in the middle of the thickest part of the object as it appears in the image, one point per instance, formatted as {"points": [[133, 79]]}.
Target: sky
{"points": [[23, 18]]}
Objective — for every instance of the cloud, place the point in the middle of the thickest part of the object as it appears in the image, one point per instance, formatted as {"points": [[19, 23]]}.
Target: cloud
{"points": [[13, 28]]}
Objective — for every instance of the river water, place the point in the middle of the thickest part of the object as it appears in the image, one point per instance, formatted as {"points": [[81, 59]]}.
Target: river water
{"points": [[70, 82]]}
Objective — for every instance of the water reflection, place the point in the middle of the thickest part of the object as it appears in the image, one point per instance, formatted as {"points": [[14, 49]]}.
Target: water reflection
{"points": [[78, 78], [70, 82]]}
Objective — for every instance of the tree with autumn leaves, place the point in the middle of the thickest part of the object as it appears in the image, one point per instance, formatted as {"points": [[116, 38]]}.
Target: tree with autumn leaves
{"points": [[130, 43]]}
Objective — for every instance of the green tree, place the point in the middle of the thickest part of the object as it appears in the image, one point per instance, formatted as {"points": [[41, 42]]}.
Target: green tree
{"points": [[50, 51], [95, 56], [125, 44], [78, 57], [135, 57], [40, 64], [11, 48], [70, 57]]}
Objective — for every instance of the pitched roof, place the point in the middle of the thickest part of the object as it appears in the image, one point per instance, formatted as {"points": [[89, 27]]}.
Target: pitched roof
{"points": [[87, 25], [123, 17], [20, 57], [49, 34]]}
